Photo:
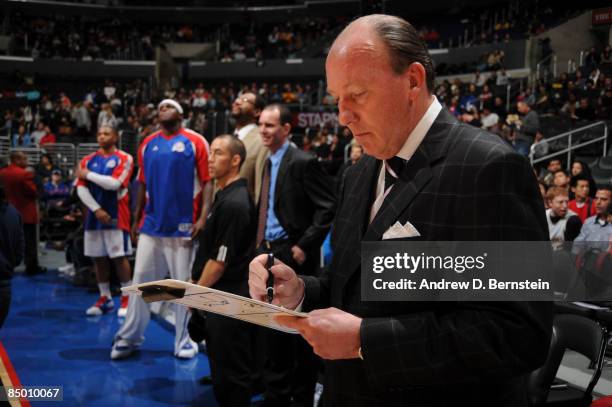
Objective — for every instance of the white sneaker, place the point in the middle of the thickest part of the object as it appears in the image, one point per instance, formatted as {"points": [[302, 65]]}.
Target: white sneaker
{"points": [[188, 351], [66, 269], [122, 311], [102, 306], [122, 349]]}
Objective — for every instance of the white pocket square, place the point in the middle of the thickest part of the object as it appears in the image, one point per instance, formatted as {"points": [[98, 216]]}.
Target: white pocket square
{"points": [[397, 231]]}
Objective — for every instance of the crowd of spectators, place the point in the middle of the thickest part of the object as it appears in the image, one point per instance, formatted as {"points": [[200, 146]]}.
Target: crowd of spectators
{"points": [[50, 117], [585, 95], [88, 37]]}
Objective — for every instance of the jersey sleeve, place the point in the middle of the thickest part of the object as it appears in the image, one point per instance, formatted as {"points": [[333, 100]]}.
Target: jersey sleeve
{"points": [[82, 166], [123, 171], [141, 150], [201, 146]]}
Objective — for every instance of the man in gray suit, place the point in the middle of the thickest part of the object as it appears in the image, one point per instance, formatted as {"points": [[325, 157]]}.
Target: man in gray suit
{"points": [[245, 111]]}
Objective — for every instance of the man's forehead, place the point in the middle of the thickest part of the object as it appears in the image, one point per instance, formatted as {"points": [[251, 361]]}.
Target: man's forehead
{"points": [[603, 193], [357, 39], [270, 114]]}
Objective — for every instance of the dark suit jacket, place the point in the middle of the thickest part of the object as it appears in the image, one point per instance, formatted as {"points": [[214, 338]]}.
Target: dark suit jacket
{"points": [[304, 200], [21, 191], [462, 184]]}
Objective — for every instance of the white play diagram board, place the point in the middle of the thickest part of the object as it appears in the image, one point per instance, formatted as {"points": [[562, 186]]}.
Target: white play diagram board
{"points": [[211, 300]]}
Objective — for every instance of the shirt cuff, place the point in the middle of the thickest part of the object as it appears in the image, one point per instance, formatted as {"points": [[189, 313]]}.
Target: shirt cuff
{"points": [[301, 303]]}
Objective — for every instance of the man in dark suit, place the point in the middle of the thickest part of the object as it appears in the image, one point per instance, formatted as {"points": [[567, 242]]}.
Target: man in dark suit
{"points": [[295, 211], [21, 192], [452, 182]]}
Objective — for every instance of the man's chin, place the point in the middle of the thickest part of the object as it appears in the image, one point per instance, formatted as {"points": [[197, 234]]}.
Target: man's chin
{"points": [[169, 124]]}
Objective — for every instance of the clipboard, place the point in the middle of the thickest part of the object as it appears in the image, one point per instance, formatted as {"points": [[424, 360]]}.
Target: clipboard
{"points": [[216, 301]]}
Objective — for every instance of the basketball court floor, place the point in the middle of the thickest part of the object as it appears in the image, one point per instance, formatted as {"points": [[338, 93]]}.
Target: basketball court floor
{"points": [[48, 341]]}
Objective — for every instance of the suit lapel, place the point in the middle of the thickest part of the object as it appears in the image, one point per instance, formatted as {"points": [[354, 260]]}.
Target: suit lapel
{"points": [[251, 138], [365, 189], [414, 177]]}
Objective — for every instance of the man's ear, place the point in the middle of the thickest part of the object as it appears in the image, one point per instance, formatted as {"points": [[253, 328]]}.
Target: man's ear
{"points": [[286, 128], [416, 78], [235, 160]]}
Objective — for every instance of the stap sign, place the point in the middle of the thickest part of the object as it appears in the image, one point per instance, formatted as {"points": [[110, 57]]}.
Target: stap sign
{"points": [[316, 119]]}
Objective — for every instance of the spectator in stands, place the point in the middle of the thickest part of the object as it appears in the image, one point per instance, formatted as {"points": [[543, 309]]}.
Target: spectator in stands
{"points": [[563, 224], [44, 168], [502, 78], [561, 179], [11, 250], [489, 119], [470, 99], [21, 138], [540, 146], [596, 230], [48, 138], [604, 103], [289, 95], [485, 95], [55, 190], [569, 106], [355, 155], [82, 120], [509, 135], [320, 146], [109, 90], [499, 107], [584, 111], [582, 204], [106, 116], [592, 59], [529, 123], [38, 134], [580, 167], [542, 99], [21, 192], [553, 166]]}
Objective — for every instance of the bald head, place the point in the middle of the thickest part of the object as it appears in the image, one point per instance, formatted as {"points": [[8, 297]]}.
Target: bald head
{"points": [[388, 37], [379, 72], [19, 159]]}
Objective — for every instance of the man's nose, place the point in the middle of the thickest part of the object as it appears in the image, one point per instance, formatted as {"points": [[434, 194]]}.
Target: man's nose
{"points": [[345, 116]]}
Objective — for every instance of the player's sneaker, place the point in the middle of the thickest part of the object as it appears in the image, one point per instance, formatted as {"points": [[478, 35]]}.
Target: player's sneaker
{"points": [[188, 351], [122, 349], [102, 306], [122, 311]]}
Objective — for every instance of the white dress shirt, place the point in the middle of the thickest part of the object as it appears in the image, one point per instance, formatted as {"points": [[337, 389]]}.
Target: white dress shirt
{"points": [[410, 146], [242, 133]]}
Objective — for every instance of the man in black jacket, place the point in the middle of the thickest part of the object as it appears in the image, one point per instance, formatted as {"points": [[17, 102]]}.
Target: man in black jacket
{"points": [[452, 182], [295, 212], [11, 250], [222, 262]]}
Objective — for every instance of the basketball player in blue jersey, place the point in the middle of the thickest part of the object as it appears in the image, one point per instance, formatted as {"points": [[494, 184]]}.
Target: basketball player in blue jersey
{"points": [[102, 185], [170, 210]]}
